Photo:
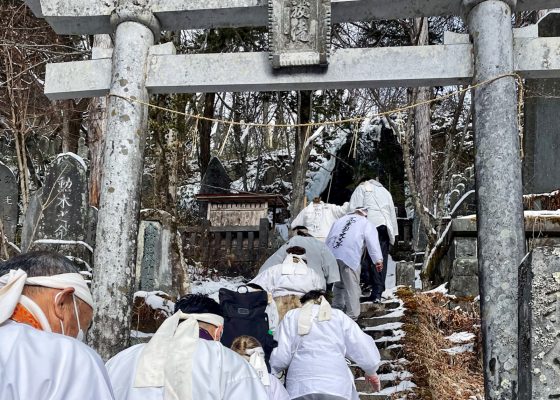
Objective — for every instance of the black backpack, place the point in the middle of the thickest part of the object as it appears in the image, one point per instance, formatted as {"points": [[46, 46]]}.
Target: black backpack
{"points": [[244, 314]]}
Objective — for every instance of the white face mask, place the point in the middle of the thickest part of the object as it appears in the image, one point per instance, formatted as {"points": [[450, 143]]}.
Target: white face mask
{"points": [[81, 335]]}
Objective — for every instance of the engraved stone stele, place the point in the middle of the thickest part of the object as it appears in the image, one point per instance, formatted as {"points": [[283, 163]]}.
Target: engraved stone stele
{"points": [[300, 32], [539, 325], [8, 202], [59, 217]]}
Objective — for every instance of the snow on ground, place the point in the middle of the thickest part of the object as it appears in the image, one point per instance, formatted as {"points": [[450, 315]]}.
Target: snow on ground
{"points": [[391, 280], [156, 302], [401, 387], [460, 349], [418, 280], [385, 327], [461, 337], [212, 287], [440, 289]]}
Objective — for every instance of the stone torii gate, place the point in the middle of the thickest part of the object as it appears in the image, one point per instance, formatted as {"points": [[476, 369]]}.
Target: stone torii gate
{"points": [[136, 68]]}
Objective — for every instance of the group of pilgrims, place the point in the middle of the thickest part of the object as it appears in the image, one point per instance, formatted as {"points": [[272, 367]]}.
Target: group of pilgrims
{"points": [[46, 308]]}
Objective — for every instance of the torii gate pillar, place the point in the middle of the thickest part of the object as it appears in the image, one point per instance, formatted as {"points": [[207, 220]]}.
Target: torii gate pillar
{"points": [[501, 241], [117, 227]]}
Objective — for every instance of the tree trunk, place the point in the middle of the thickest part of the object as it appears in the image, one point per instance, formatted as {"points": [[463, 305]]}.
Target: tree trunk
{"points": [[302, 153], [204, 132], [97, 127], [423, 173]]}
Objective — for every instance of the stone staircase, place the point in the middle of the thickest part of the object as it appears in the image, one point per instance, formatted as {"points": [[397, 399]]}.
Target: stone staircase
{"points": [[383, 323]]}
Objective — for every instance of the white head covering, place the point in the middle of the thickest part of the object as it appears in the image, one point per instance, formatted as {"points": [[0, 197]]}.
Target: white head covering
{"points": [[305, 318], [166, 360], [256, 359], [294, 264], [11, 287]]}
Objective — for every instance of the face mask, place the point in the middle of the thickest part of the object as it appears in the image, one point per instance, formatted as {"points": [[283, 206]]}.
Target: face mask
{"points": [[81, 335]]}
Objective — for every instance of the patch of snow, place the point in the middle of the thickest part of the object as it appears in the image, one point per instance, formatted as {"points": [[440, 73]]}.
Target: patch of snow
{"points": [[65, 242], [417, 280], [460, 349], [391, 280], [400, 375], [76, 157], [155, 302], [397, 336], [399, 312], [460, 201], [440, 289], [385, 327], [401, 387], [461, 337], [211, 288]]}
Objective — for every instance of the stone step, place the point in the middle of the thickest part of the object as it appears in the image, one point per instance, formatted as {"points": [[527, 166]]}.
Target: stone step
{"points": [[371, 396], [388, 305], [376, 321], [363, 387]]}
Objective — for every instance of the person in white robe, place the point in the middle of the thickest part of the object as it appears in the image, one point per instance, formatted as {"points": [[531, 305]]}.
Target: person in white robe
{"points": [[371, 194], [314, 342], [45, 304], [290, 280], [319, 216], [347, 239], [251, 350], [178, 364], [318, 256]]}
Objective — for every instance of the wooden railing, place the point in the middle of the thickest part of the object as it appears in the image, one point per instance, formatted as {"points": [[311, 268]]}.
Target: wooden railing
{"points": [[232, 250]]}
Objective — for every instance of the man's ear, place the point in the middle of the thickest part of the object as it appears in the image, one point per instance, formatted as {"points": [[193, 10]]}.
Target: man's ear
{"points": [[61, 300]]}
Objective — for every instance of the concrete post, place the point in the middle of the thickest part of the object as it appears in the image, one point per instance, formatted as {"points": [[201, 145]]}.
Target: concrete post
{"points": [[115, 251], [501, 242]]}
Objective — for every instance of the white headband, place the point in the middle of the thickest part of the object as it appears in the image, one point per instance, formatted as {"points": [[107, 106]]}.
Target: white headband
{"points": [[11, 287]]}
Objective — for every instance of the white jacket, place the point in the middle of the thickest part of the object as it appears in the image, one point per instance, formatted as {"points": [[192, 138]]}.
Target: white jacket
{"points": [[289, 278], [347, 238], [319, 217], [381, 209], [36, 364], [218, 373], [316, 361]]}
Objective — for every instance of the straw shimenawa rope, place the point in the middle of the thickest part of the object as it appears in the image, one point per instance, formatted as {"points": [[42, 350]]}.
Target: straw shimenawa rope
{"points": [[517, 77]]}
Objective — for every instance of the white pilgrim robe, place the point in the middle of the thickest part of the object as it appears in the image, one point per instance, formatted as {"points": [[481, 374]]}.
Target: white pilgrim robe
{"points": [[319, 217], [37, 365], [316, 361], [276, 391], [218, 373]]}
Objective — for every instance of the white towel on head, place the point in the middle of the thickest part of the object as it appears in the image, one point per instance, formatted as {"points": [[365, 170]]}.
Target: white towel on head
{"points": [[305, 318], [166, 360], [256, 359], [12, 284]]}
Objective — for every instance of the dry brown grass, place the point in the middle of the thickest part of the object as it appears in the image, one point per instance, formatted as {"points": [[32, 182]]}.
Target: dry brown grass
{"points": [[440, 376]]}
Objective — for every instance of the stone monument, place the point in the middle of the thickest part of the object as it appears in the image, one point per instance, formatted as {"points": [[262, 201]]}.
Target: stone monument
{"points": [[8, 202], [539, 325]]}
